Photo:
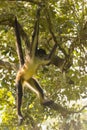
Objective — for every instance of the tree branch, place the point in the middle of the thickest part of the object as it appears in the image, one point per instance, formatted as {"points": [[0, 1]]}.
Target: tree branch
{"points": [[51, 30], [31, 1], [7, 19], [64, 111], [79, 111], [7, 65]]}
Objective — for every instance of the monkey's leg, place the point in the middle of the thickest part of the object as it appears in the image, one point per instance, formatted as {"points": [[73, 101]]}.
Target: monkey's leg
{"points": [[38, 88], [35, 87], [19, 100]]}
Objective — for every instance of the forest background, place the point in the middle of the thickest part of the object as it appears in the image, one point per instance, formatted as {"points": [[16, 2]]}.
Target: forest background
{"points": [[65, 82]]}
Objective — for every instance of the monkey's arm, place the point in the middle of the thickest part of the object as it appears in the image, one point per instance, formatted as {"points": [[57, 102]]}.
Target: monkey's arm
{"points": [[24, 37], [35, 35], [18, 43]]}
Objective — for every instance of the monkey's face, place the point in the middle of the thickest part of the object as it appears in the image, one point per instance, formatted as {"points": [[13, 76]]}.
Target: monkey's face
{"points": [[42, 57], [41, 53]]}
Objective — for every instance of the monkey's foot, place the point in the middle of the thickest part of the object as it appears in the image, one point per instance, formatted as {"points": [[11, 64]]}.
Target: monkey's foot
{"points": [[47, 102]]}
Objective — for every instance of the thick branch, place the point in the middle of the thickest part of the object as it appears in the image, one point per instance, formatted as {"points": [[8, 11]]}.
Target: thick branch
{"points": [[7, 65], [7, 19], [62, 110], [51, 30], [31, 1]]}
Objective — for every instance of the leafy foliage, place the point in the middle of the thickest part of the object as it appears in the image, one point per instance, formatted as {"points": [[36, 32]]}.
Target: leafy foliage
{"points": [[65, 85]]}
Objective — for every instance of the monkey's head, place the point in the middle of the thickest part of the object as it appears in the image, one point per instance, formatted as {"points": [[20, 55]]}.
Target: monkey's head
{"points": [[42, 56], [41, 53]]}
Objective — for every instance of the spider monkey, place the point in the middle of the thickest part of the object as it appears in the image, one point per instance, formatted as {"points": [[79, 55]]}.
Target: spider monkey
{"points": [[30, 65]]}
